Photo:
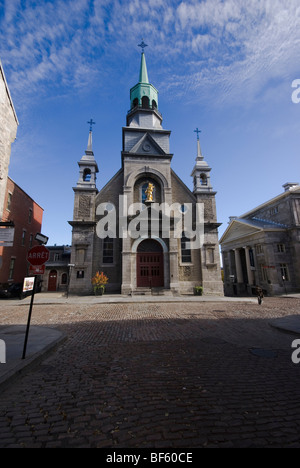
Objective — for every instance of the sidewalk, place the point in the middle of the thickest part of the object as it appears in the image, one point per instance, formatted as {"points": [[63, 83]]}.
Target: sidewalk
{"points": [[41, 340], [61, 298]]}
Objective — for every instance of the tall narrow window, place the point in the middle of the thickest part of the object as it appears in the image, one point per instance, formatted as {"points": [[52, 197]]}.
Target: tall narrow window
{"points": [[284, 272], [64, 278], [23, 238], [11, 268], [264, 273], [30, 216], [108, 250], [186, 255]]}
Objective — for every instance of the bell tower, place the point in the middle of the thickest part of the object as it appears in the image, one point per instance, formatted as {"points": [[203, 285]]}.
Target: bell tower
{"points": [[209, 253], [84, 224], [201, 172]]}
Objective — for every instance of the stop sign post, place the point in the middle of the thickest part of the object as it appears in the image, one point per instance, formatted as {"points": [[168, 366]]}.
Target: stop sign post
{"points": [[37, 257]]}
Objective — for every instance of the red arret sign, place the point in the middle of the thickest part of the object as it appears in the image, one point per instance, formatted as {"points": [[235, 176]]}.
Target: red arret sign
{"points": [[38, 255]]}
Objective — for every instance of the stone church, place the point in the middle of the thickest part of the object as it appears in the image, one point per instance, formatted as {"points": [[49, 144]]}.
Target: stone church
{"points": [[121, 229]]}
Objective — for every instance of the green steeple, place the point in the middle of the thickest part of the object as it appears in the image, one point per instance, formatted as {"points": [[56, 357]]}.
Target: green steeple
{"points": [[143, 70], [143, 94]]}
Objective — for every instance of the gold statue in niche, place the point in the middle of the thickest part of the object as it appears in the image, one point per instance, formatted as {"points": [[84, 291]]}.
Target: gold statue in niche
{"points": [[149, 192]]}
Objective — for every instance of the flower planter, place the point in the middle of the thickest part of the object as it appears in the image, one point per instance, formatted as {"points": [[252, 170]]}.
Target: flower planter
{"points": [[99, 292]]}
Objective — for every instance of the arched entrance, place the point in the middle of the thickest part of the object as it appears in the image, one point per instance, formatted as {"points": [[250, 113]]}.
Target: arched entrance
{"points": [[150, 264], [52, 280]]}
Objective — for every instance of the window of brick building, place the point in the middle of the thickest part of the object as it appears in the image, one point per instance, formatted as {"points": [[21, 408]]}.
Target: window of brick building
{"points": [[23, 238], [11, 268]]}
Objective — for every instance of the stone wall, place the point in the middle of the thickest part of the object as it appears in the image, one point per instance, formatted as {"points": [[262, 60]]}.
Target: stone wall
{"points": [[8, 126]]}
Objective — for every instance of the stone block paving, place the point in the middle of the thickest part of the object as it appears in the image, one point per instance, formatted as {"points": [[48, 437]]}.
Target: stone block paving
{"points": [[157, 375]]}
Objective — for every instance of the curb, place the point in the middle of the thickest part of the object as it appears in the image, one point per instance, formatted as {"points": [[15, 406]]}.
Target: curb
{"points": [[24, 365]]}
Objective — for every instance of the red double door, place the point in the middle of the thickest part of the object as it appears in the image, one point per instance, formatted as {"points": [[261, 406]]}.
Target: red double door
{"points": [[150, 264]]}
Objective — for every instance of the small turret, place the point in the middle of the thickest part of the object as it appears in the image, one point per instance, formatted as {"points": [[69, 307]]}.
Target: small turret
{"points": [[88, 166], [201, 171]]}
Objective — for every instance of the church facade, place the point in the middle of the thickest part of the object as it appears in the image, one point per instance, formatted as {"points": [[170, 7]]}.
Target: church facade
{"points": [[145, 229]]}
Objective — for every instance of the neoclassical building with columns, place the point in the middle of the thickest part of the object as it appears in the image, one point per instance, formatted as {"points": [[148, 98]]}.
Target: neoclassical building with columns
{"points": [[262, 248], [122, 229]]}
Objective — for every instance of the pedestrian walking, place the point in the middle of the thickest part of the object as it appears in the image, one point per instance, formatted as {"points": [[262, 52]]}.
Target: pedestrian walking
{"points": [[260, 295]]}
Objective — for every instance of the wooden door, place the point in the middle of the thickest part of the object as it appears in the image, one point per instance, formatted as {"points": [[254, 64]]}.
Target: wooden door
{"points": [[150, 264], [52, 280]]}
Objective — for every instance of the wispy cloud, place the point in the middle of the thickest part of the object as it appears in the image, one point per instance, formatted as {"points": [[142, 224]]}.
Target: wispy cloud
{"points": [[231, 46]]}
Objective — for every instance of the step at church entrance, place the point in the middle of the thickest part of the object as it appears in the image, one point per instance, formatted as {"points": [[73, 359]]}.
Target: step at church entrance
{"points": [[150, 264]]}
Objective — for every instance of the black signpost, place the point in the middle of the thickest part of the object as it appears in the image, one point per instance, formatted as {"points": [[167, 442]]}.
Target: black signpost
{"points": [[37, 256], [29, 318]]}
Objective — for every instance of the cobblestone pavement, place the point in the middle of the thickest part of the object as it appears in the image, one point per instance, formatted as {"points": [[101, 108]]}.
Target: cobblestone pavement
{"points": [[158, 375]]}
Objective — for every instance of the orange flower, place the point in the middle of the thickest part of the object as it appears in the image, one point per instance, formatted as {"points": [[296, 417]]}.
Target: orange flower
{"points": [[99, 280]]}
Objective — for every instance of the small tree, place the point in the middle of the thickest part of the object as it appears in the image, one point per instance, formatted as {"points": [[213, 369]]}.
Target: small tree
{"points": [[99, 281]]}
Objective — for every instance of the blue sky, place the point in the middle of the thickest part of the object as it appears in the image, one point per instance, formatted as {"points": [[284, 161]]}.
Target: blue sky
{"points": [[224, 66]]}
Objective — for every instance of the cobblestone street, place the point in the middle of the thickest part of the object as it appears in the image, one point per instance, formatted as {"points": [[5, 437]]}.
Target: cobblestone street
{"points": [[159, 375]]}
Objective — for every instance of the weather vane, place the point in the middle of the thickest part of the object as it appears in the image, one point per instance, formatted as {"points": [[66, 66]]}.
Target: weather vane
{"points": [[91, 123], [142, 45], [197, 131]]}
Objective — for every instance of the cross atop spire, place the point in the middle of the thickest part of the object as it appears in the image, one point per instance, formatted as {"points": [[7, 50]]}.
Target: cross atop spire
{"points": [[197, 131], [142, 45], [91, 123]]}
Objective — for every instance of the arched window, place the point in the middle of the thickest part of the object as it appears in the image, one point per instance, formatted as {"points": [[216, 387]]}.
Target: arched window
{"points": [[87, 175], [64, 278], [145, 102], [135, 102], [154, 104], [203, 179]]}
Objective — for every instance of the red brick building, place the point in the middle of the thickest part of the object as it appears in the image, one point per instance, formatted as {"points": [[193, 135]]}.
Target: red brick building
{"points": [[27, 217]]}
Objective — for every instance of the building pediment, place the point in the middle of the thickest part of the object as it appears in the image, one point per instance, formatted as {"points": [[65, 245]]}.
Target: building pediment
{"points": [[238, 229], [147, 146]]}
